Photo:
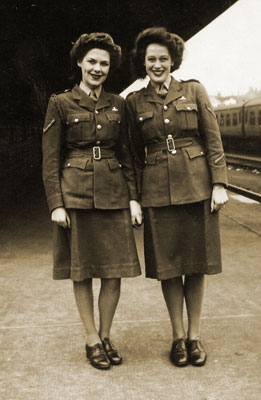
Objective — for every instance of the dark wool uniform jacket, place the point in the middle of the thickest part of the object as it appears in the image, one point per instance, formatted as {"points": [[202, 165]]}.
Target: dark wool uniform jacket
{"points": [[187, 176], [72, 178]]}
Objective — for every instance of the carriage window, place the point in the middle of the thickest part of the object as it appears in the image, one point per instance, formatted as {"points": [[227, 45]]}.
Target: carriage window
{"points": [[239, 117], [259, 117], [221, 120], [252, 118], [228, 120], [234, 119]]}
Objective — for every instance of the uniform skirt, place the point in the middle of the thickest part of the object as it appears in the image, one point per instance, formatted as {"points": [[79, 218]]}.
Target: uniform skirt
{"points": [[181, 240], [100, 244]]}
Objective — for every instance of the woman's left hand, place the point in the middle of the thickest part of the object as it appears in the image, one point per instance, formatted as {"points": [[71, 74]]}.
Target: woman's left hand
{"points": [[219, 197], [136, 213]]}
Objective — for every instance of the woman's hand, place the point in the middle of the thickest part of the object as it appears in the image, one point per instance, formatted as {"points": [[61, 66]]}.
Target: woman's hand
{"points": [[219, 197], [61, 217], [136, 213]]}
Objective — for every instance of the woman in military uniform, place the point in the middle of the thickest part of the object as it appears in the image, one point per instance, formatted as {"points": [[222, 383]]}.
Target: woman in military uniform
{"points": [[91, 190], [181, 164]]}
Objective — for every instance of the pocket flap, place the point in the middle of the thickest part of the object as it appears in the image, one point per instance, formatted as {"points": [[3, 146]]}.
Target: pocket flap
{"points": [[142, 116], [151, 159], [113, 117], [76, 118], [195, 151], [113, 163], [75, 162], [186, 107]]}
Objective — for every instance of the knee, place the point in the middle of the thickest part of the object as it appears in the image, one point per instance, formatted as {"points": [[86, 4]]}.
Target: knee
{"points": [[112, 285]]}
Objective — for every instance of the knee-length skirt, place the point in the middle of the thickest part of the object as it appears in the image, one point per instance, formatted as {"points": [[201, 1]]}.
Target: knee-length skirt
{"points": [[181, 240], [100, 244]]}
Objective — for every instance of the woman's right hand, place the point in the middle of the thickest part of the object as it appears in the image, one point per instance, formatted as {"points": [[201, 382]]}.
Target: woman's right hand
{"points": [[61, 217]]}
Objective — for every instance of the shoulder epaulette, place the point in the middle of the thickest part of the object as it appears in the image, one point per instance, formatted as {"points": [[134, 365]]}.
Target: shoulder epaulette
{"points": [[189, 80], [134, 92], [62, 91]]}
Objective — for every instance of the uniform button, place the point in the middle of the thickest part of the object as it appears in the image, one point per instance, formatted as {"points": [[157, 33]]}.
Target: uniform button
{"points": [[141, 119], [99, 127], [76, 120], [202, 153], [166, 121], [68, 165], [165, 107], [98, 142], [188, 108], [120, 165], [96, 112]]}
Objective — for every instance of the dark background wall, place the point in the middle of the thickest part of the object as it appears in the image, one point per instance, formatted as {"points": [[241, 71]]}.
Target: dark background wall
{"points": [[36, 38]]}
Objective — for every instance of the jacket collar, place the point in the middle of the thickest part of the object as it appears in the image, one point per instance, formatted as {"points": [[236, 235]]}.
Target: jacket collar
{"points": [[86, 102], [175, 91]]}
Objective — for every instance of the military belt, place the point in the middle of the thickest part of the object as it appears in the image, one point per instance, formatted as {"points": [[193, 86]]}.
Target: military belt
{"points": [[171, 144], [97, 152]]}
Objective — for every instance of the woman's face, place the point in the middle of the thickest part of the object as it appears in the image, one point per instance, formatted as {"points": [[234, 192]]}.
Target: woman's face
{"points": [[95, 67], [158, 62]]}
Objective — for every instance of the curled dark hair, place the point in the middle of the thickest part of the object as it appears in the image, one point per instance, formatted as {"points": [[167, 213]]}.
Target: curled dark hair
{"points": [[158, 35], [95, 40]]}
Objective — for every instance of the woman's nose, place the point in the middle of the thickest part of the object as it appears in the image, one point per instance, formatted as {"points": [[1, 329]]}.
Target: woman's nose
{"points": [[157, 64], [97, 67]]}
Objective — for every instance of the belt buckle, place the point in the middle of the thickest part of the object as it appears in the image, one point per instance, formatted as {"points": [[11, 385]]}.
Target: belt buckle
{"points": [[96, 151], [171, 145]]}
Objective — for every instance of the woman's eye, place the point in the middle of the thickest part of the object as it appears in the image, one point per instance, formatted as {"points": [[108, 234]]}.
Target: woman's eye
{"points": [[91, 61]]}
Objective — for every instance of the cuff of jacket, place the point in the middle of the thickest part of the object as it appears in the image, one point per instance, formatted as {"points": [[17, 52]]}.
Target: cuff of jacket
{"points": [[219, 177], [133, 195], [55, 202]]}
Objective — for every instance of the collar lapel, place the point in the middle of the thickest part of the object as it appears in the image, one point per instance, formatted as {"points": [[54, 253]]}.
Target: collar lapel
{"points": [[175, 91], [104, 100], [151, 95], [84, 100]]}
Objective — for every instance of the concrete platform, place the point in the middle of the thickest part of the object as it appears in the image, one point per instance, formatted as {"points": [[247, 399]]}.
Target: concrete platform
{"points": [[42, 339]]}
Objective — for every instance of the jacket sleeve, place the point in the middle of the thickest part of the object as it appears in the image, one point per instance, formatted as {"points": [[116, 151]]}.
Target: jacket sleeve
{"points": [[125, 157], [209, 129], [137, 143], [52, 143]]}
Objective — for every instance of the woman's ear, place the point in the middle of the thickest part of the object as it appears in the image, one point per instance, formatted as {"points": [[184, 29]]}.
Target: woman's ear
{"points": [[79, 64]]}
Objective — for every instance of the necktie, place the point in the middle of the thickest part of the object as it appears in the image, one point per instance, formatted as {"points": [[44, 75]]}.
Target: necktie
{"points": [[163, 91], [93, 95]]}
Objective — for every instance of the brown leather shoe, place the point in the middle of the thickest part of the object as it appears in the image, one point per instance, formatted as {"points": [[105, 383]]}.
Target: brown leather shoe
{"points": [[97, 356], [179, 353], [197, 354], [111, 352]]}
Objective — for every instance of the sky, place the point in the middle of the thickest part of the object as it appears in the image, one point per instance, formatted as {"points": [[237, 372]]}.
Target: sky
{"points": [[225, 56]]}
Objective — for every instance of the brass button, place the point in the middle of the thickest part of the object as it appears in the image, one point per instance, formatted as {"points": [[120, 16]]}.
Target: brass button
{"points": [[76, 120], [166, 121], [188, 108], [165, 107], [99, 126], [68, 165], [96, 112], [141, 119], [98, 142]]}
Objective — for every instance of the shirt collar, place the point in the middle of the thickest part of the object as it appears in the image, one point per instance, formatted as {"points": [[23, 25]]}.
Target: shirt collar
{"points": [[165, 84], [88, 90]]}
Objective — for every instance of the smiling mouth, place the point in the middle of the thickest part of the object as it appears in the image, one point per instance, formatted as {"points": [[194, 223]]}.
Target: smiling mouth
{"points": [[94, 76], [158, 72]]}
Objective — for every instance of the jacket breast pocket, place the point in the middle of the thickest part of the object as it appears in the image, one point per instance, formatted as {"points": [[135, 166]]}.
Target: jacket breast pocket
{"points": [[187, 114], [144, 122], [78, 127], [114, 122]]}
